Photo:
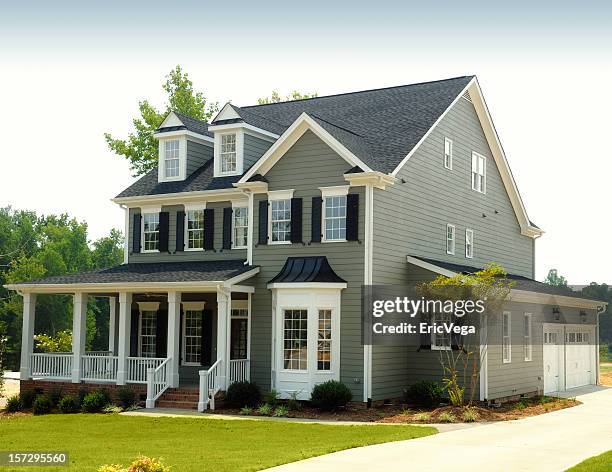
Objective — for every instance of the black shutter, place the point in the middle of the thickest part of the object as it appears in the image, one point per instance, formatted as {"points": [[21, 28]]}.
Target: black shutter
{"points": [[136, 232], [352, 217], [296, 220], [180, 231], [161, 333], [263, 222], [164, 229], [134, 332], [227, 227], [209, 229], [317, 203], [207, 326]]}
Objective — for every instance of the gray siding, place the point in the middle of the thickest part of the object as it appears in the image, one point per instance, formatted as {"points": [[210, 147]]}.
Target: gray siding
{"points": [[308, 165], [520, 376], [172, 256], [197, 155], [254, 148]]}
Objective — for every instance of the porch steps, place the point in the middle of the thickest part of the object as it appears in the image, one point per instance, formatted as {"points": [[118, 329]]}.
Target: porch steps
{"points": [[182, 397]]}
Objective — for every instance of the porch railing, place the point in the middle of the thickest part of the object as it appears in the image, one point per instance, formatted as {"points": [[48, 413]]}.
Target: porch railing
{"points": [[99, 367], [158, 380], [239, 370], [51, 365], [98, 353], [210, 384], [137, 368]]}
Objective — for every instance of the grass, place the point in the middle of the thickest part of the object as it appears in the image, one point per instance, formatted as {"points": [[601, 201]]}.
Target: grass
{"points": [[601, 463], [187, 444]]}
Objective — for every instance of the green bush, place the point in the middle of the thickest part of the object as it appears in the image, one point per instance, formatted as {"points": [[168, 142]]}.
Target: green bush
{"points": [[27, 398], [265, 410], [446, 417], [69, 404], [42, 405], [141, 464], [281, 411], [470, 415], [94, 402], [241, 394], [330, 395], [425, 392], [83, 392], [55, 395], [271, 397], [13, 404], [126, 397]]}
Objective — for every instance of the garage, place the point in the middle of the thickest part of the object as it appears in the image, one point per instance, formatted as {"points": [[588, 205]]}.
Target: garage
{"points": [[569, 357]]}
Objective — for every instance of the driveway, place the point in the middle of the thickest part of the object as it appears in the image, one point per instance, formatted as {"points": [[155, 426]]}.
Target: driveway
{"points": [[549, 442]]}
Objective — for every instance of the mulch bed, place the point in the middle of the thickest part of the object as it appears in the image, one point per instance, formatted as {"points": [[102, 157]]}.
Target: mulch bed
{"points": [[415, 415]]}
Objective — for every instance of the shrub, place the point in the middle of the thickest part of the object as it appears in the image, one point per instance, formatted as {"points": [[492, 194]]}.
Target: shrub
{"points": [[126, 397], [271, 397], [470, 415], [141, 464], [293, 403], [94, 402], [83, 392], [69, 404], [424, 417], [241, 394], [425, 392], [520, 406], [42, 405], [246, 411], [13, 404], [330, 395], [446, 417], [281, 411], [27, 398], [265, 409], [55, 395], [110, 408]]}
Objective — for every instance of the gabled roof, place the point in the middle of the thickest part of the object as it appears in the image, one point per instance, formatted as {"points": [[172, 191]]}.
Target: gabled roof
{"points": [[176, 121]]}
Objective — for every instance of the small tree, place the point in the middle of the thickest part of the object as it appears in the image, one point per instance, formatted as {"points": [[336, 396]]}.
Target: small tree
{"points": [[553, 278], [460, 363], [60, 342], [276, 98]]}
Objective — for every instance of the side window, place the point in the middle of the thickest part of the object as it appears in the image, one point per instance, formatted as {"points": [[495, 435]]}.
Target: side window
{"points": [[450, 239], [479, 173], [441, 341], [528, 346], [240, 225], [448, 153], [506, 337], [469, 243]]}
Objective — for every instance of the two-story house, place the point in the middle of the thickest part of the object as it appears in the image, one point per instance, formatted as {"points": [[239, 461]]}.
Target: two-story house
{"points": [[248, 246]]}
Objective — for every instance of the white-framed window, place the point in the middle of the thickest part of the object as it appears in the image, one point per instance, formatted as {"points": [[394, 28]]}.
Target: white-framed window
{"points": [[506, 337], [440, 341], [448, 153], [150, 232], [324, 340], [171, 158], [239, 330], [227, 153], [528, 345], [279, 216], [450, 239], [194, 229], [147, 345], [192, 337], [469, 243], [334, 213], [295, 340], [479, 172], [240, 223]]}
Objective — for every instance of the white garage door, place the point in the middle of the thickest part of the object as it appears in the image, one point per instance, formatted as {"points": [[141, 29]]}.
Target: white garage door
{"points": [[579, 357]]}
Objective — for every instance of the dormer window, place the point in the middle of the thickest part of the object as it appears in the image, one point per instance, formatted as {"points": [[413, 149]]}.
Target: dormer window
{"points": [[171, 158], [228, 153]]}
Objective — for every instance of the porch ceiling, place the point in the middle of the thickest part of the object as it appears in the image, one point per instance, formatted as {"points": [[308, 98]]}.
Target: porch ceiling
{"points": [[196, 275]]}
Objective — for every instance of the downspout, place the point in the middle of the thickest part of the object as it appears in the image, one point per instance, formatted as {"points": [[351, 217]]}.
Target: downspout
{"points": [[367, 280]]}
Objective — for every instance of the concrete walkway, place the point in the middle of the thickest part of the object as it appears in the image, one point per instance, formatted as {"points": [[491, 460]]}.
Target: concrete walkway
{"points": [[549, 442]]}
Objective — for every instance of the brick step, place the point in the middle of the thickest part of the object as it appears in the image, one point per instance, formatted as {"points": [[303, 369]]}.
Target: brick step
{"points": [[177, 397], [176, 404]]}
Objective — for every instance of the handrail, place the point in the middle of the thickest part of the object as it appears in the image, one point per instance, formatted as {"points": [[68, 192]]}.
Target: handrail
{"points": [[137, 368], [239, 370], [158, 381], [51, 365], [100, 367], [210, 384]]}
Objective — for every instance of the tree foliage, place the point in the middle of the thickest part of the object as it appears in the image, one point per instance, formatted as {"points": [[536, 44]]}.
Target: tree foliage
{"points": [[140, 147], [553, 278], [602, 292], [276, 98]]}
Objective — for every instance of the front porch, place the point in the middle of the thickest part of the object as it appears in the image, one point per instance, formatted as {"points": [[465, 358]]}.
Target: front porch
{"points": [[161, 335]]}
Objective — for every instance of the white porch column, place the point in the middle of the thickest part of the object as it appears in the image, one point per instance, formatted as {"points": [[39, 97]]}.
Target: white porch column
{"points": [[174, 331], [79, 333], [27, 334], [123, 348], [223, 320], [112, 305]]}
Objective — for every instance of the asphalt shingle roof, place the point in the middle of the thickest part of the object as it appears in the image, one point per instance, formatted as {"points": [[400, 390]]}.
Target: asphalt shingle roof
{"points": [[379, 126], [195, 271], [191, 124]]}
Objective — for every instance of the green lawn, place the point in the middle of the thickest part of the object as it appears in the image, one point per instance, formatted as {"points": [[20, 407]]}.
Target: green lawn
{"points": [[187, 444], [601, 463]]}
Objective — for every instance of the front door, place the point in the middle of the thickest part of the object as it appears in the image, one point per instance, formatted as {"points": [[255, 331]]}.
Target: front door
{"points": [[553, 347]]}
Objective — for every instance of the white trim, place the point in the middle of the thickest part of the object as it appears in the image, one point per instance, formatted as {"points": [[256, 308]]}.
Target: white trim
{"points": [[308, 285], [184, 337], [240, 304], [182, 159], [280, 194], [240, 278], [126, 246], [528, 348], [179, 198], [277, 195], [247, 129], [431, 267], [507, 360], [453, 240], [290, 136], [195, 306], [227, 112], [187, 208], [235, 205], [328, 192], [450, 160], [197, 137], [171, 120], [477, 155], [471, 233], [148, 306], [374, 178], [368, 276], [337, 190], [499, 156], [239, 133], [484, 358], [148, 211]]}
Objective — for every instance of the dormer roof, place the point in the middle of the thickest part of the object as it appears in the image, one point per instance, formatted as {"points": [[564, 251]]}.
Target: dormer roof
{"points": [[176, 121]]}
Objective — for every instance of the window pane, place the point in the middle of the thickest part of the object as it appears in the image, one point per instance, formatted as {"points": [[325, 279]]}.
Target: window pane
{"points": [[324, 340], [148, 332], [295, 341], [238, 341], [172, 158], [195, 229], [441, 340], [193, 336], [151, 231], [335, 218], [241, 226], [281, 220], [228, 153]]}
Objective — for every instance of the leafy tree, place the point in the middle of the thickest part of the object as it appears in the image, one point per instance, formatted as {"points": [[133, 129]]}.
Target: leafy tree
{"points": [[276, 98], [3, 341], [553, 278], [602, 292], [60, 342], [107, 251], [140, 148]]}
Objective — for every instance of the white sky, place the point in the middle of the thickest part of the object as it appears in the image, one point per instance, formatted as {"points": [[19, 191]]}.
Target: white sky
{"points": [[62, 85]]}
